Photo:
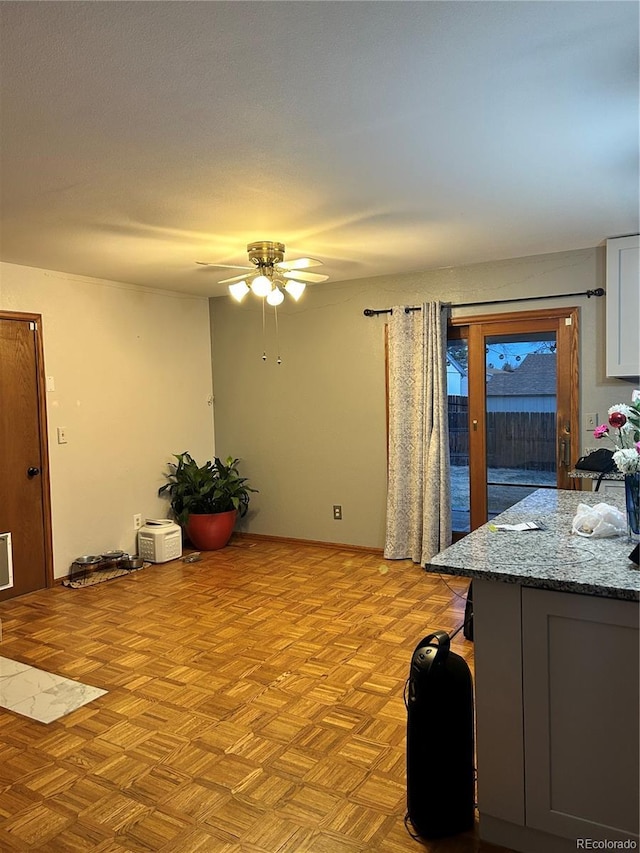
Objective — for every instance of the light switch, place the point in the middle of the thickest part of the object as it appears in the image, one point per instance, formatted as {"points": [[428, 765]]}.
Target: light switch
{"points": [[51, 384], [62, 435], [590, 421]]}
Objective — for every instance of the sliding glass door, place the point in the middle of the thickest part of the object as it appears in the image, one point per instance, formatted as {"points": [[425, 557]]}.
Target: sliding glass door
{"points": [[512, 387]]}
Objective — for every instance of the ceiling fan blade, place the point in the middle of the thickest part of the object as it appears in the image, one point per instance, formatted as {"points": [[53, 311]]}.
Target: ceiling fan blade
{"points": [[222, 266], [235, 278], [299, 264], [305, 276]]}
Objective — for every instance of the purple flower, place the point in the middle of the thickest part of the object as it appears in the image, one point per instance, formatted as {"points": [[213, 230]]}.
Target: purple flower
{"points": [[601, 431]]}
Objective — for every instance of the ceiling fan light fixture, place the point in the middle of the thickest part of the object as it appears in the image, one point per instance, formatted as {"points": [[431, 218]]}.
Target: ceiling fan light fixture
{"points": [[276, 297], [294, 288], [239, 290], [269, 271], [261, 285]]}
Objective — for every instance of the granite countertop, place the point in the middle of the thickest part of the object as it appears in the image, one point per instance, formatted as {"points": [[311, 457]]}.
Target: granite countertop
{"points": [[552, 558], [576, 473]]}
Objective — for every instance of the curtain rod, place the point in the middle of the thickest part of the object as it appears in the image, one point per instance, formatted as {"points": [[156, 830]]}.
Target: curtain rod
{"points": [[599, 291]]}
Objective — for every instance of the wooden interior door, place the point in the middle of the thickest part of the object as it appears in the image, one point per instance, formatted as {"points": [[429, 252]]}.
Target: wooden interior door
{"points": [[24, 470]]}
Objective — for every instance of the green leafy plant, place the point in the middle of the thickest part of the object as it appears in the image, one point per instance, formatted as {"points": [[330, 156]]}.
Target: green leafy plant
{"points": [[211, 488]]}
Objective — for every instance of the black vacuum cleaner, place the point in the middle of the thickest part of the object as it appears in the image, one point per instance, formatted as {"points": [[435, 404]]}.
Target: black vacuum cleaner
{"points": [[440, 755]]}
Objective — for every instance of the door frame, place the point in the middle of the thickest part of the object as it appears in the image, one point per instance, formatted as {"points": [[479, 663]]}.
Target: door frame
{"points": [[567, 422], [44, 437]]}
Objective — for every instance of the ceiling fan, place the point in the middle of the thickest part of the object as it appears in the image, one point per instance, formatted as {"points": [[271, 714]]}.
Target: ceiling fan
{"points": [[269, 273]]}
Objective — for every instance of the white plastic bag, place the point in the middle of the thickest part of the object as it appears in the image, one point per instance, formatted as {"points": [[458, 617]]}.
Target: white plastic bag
{"points": [[599, 521]]}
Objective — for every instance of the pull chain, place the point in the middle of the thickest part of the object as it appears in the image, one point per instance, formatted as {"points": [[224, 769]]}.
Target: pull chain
{"points": [[264, 344], [275, 314]]}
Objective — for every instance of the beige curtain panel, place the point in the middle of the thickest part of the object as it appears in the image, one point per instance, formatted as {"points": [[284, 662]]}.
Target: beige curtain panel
{"points": [[419, 493]]}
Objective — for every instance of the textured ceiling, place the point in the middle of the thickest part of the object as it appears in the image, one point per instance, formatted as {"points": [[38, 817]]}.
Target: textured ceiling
{"points": [[379, 137]]}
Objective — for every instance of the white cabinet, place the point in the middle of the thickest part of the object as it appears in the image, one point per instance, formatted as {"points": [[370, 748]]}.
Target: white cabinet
{"points": [[580, 682], [556, 717], [623, 306]]}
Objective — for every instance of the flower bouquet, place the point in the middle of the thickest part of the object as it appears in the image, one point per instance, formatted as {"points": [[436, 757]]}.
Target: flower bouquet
{"points": [[625, 420]]}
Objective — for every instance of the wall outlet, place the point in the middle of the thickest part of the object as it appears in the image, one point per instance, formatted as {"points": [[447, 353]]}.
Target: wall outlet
{"points": [[137, 521], [337, 512]]}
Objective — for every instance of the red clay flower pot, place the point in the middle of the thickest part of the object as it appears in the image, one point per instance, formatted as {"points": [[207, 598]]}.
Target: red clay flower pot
{"points": [[211, 532]]}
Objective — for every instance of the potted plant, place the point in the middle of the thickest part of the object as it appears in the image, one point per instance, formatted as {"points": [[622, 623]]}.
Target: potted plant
{"points": [[206, 500]]}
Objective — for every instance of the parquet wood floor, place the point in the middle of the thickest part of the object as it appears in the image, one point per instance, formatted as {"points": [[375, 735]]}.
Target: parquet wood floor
{"points": [[255, 705]]}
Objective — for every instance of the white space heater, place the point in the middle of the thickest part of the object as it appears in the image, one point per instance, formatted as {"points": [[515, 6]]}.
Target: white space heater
{"points": [[159, 540]]}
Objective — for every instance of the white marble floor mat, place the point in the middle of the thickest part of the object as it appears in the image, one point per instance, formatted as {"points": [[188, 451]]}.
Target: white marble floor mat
{"points": [[41, 695]]}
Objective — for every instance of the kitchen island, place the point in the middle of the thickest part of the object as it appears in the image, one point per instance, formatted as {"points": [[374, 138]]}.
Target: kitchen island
{"points": [[556, 678]]}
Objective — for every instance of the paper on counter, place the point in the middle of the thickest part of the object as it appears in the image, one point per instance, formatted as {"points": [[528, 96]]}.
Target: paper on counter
{"points": [[524, 525]]}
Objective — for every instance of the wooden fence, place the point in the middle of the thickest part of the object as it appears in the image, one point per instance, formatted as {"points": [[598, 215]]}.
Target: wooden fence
{"points": [[514, 439]]}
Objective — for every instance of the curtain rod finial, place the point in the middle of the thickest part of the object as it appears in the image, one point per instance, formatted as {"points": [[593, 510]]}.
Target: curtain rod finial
{"points": [[372, 312]]}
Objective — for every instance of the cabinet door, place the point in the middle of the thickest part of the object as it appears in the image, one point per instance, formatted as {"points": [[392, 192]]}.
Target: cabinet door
{"points": [[623, 306], [580, 680]]}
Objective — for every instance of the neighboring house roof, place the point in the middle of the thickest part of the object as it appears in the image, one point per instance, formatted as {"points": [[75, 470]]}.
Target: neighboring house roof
{"points": [[536, 375], [456, 365]]}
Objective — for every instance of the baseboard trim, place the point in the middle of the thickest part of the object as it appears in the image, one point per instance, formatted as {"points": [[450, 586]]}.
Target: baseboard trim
{"points": [[264, 537], [288, 540]]}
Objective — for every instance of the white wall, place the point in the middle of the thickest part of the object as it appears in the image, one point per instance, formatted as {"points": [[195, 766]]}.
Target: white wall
{"points": [[132, 373], [311, 432]]}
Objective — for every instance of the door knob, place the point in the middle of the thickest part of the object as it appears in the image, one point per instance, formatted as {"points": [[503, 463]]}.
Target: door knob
{"points": [[32, 472]]}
